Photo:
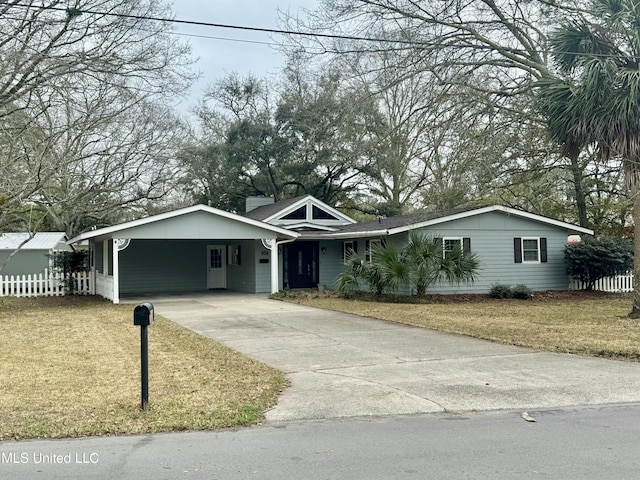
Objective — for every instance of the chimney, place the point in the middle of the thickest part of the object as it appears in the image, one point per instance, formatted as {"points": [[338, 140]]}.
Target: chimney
{"points": [[254, 202]]}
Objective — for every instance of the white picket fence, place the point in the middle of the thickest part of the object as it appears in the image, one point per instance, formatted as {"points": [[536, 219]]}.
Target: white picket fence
{"points": [[617, 284], [46, 284]]}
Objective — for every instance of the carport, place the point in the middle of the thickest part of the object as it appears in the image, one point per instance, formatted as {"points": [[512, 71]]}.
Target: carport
{"points": [[193, 249]]}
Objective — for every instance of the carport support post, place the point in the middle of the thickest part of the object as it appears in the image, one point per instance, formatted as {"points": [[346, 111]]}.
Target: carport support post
{"points": [[274, 267], [116, 271]]}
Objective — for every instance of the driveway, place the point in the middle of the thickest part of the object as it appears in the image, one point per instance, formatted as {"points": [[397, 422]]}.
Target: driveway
{"points": [[342, 365]]}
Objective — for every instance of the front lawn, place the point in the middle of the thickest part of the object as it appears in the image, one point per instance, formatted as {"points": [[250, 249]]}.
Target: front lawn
{"points": [[585, 323], [70, 367]]}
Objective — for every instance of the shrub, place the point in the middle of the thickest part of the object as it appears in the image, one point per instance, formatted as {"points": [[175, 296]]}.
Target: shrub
{"points": [[418, 264], [593, 259], [69, 263], [522, 292], [499, 290]]}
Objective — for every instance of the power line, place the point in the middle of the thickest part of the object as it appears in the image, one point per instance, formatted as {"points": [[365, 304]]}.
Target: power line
{"points": [[74, 12]]}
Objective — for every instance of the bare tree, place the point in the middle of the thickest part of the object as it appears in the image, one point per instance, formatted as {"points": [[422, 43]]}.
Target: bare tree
{"points": [[487, 51], [40, 43], [81, 84], [107, 154]]}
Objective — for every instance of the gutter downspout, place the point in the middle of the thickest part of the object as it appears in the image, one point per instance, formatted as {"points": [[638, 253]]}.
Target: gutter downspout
{"points": [[272, 244]]}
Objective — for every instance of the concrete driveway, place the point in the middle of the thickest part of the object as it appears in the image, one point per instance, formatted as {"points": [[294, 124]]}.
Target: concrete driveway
{"points": [[343, 365]]}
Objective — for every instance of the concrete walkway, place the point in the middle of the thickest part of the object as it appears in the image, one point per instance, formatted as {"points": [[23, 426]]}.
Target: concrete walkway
{"points": [[343, 365]]}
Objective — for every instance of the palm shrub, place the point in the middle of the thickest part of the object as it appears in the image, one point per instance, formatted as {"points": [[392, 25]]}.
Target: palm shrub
{"points": [[385, 273], [457, 267], [424, 255], [352, 275], [420, 263], [388, 261], [427, 264]]}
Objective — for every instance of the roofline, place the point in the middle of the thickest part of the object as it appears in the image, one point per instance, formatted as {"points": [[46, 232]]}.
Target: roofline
{"points": [[457, 216], [304, 199], [176, 213], [493, 208], [325, 228], [60, 237], [368, 233]]}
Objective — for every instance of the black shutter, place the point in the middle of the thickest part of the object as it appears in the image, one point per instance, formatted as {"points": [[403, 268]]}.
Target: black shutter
{"points": [[466, 245], [517, 249], [355, 246], [543, 250]]}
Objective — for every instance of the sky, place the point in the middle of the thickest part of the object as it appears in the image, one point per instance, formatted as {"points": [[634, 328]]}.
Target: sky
{"points": [[223, 51]]}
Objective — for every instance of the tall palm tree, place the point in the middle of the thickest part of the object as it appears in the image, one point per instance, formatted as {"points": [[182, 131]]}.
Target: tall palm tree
{"points": [[597, 100]]}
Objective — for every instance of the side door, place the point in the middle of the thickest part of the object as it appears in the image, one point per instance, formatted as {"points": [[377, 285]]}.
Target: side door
{"points": [[216, 266]]}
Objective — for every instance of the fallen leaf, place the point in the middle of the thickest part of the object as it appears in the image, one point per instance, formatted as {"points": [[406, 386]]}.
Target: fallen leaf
{"points": [[527, 417]]}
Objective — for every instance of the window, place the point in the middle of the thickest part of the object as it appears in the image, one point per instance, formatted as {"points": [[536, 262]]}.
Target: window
{"points": [[530, 250], [298, 214], [233, 255], [320, 214], [449, 244], [349, 248], [215, 258], [370, 246]]}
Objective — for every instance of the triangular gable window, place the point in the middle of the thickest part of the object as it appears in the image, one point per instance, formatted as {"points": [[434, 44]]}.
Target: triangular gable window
{"points": [[320, 214], [299, 214]]}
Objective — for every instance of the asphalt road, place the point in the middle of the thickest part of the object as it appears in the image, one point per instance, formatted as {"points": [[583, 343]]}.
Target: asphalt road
{"points": [[569, 444]]}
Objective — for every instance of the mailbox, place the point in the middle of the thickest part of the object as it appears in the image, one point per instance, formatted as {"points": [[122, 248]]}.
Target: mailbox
{"points": [[143, 314]]}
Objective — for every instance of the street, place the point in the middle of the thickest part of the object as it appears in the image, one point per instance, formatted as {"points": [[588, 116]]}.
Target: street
{"points": [[593, 442]]}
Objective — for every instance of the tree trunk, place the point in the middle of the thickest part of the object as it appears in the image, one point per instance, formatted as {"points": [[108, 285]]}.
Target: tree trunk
{"points": [[635, 310], [581, 201]]}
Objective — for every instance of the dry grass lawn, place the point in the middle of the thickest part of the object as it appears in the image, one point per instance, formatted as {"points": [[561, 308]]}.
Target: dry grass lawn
{"points": [[70, 367], [583, 323]]}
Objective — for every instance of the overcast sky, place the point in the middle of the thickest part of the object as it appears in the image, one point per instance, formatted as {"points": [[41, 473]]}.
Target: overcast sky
{"points": [[222, 51]]}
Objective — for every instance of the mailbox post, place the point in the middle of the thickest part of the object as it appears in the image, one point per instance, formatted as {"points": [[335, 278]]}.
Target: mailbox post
{"points": [[143, 317]]}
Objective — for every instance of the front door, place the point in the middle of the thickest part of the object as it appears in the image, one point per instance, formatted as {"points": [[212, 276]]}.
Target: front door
{"points": [[302, 265], [216, 266]]}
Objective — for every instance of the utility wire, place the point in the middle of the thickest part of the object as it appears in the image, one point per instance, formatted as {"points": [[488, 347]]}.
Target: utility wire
{"points": [[74, 12]]}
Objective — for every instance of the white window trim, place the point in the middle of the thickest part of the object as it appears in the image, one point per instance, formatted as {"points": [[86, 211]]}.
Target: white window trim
{"points": [[537, 239], [368, 253], [347, 252], [444, 241]]}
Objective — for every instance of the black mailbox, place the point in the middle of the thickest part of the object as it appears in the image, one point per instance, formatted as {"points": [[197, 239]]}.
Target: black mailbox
{"points": [[143, 314]]}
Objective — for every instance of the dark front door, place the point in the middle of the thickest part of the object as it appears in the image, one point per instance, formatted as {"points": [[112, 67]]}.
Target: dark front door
{"points": [[301, 259]]}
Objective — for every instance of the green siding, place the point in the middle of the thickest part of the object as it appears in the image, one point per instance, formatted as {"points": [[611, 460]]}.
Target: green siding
{"points": [[165, 266], [24, 262], [98, 255], [180, 266], [492, 237], [242, 278], [197, 225], [263, 270], [148, 266], [331, 263]]}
